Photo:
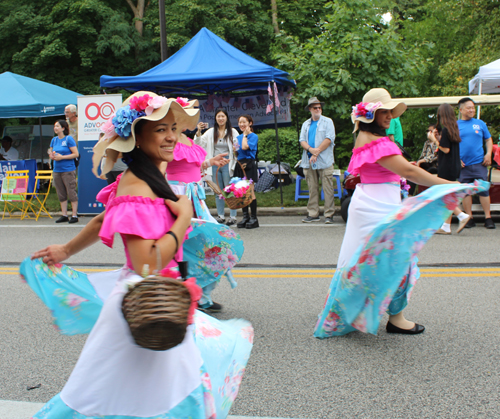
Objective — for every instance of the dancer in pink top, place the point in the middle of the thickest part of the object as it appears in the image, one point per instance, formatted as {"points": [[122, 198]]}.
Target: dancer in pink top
{"points": [[377, 266], [184, 176], [115, 378]]}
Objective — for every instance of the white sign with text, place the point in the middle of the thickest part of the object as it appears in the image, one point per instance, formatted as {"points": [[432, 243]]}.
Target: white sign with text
{"points": [[93, 111]]}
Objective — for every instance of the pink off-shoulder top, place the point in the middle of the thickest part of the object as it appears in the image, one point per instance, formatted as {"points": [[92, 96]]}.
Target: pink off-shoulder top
{"points": [[364, 161], [136, 215], [186, 165]]}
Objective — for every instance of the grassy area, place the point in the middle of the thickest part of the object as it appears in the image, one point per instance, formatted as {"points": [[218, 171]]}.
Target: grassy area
{"points": [[273, 198], [268, 199]]}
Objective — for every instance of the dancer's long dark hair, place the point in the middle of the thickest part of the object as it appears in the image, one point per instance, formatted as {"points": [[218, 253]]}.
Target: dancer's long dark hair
{"points": [[141, 166], [372, 128], [229, 128], [446, 119]]}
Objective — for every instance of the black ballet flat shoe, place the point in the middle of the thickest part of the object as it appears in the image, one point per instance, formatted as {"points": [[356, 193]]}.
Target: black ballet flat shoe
{"points": [[418, 328]]}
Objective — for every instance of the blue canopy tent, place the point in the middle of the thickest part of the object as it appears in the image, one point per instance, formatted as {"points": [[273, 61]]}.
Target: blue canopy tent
{"points": [[206, 64], [24, 97]]}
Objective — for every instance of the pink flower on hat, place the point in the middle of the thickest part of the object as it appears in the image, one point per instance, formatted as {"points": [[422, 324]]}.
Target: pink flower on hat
{"points": [[365, 109], [108, 128], [183, 101], [139, 103], [370, 107], [154, 103]]}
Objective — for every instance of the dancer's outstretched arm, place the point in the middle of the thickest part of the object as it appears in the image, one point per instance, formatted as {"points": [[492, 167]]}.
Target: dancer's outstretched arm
{"points": [[57, 253], [402, 167]]}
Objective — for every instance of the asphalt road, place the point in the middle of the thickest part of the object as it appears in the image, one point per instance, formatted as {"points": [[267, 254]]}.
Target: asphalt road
{"points": [[450, 371]]}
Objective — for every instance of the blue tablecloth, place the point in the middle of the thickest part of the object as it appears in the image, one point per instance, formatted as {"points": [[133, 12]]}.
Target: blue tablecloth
{"points": [[6, 165]]}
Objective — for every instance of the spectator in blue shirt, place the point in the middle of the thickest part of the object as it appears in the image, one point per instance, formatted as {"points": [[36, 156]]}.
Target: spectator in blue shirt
{"points": [[475, 161], [63, 153], [317, 139], [247, 158]]}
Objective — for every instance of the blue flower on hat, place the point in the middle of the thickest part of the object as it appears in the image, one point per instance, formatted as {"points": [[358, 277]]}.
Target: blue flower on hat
{"points": [[123, 120]]}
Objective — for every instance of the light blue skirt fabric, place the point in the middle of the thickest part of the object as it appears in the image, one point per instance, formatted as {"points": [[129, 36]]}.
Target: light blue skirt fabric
{"points": [[80, 304], [381, 273], [212, 249]]}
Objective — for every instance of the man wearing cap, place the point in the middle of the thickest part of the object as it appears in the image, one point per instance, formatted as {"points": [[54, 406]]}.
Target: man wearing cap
{"points": [[317, 139], [70, 112], [7, 152], [474, 133]]}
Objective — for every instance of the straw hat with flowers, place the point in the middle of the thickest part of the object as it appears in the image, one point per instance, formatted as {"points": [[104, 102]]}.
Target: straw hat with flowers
{"points": [[119, 134], [372, 101]]}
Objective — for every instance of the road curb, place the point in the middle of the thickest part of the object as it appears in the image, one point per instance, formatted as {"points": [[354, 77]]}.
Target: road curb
{"points": [[264, 211]]}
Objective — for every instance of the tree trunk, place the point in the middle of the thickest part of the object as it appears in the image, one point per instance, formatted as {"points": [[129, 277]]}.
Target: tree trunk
{"points": [[138, 14], [274, 16]]}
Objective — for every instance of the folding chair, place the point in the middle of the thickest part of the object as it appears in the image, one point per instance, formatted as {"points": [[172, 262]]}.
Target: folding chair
{"points": [[36, 200], [14, 191]]}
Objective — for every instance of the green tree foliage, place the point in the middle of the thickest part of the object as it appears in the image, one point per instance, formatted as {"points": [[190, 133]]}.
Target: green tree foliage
{"points": [[455, 38], [354, 52], [245, 24], [69, 43], [290, 150], [300, 18], [336, 50]]}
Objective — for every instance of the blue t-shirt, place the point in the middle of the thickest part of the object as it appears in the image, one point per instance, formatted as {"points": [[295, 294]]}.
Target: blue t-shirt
{"points": [[251, 153], [61, 146], [473, 132], [312, 136]]}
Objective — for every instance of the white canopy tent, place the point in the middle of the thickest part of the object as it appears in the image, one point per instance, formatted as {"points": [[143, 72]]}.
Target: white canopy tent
{"points": [[487, 80]]}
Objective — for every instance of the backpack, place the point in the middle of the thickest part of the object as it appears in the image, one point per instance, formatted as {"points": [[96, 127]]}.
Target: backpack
{"points": [[266, 180]]}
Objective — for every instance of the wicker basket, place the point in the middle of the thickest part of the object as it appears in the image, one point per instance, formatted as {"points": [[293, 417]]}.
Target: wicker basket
{"points": [[156, 310], [233, 202]]}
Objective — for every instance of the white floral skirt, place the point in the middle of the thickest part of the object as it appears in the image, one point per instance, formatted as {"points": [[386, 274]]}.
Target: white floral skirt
{"points": [[115, 378]]}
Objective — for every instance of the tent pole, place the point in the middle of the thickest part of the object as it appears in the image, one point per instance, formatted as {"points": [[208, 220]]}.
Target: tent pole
{"points": [[278, 150], [479, 93], [41, 141]]}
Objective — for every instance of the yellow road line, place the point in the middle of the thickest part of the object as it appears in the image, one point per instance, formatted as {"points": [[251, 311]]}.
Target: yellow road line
{"points": [[316, 273], [293, 271], [451, 274], [428, 275]]}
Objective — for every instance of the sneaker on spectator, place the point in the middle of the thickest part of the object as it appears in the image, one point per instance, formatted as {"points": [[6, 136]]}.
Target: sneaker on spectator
{"points": [[309, 219], [329, 220], [220, 220], [489, 224], [231, 221], [62, 219], [73, 220]]}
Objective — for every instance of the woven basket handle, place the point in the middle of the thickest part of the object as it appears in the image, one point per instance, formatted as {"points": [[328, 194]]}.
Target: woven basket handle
{"points": [[183, 265], [158, 260]]}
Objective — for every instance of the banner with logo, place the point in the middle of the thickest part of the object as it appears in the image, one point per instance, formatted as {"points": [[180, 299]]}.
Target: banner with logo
{"points": [[255, 106], [93, 112]]}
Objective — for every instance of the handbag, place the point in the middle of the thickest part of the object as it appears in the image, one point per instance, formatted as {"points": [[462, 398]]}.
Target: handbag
{"points": [[266, 180], [77, 161]]}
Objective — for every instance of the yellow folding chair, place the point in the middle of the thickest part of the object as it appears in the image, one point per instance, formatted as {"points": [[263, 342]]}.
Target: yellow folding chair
{"points": [[36, 200], [13, 193]]}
